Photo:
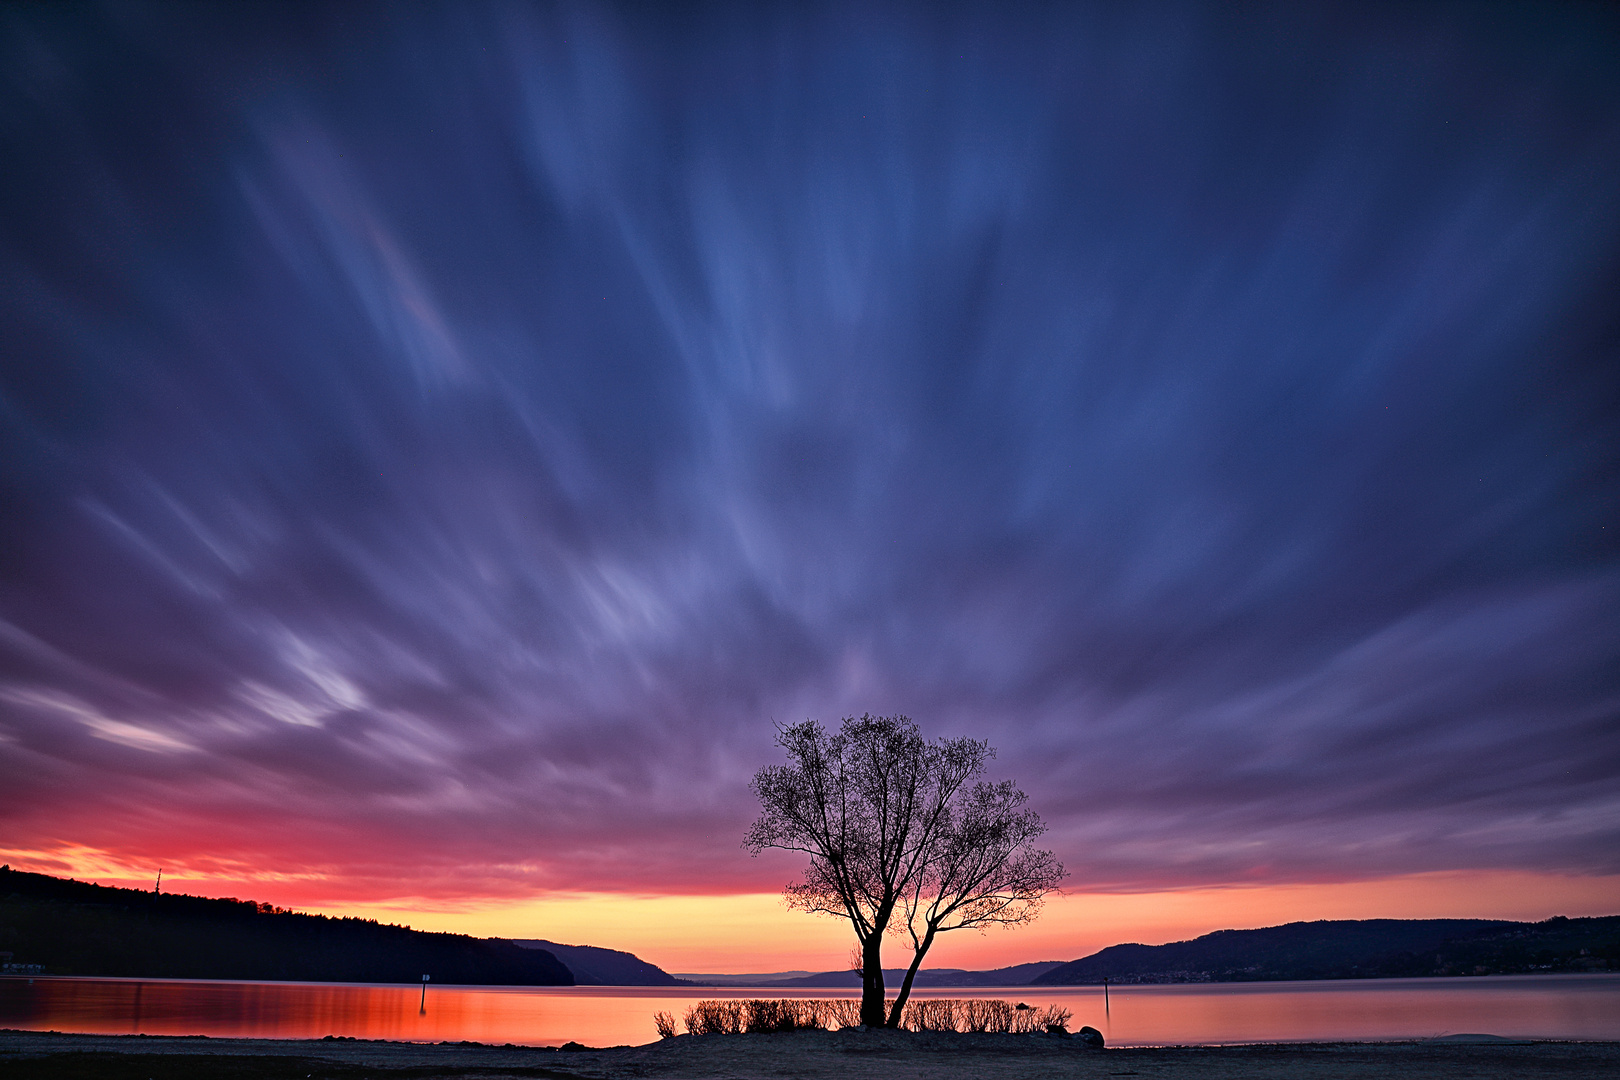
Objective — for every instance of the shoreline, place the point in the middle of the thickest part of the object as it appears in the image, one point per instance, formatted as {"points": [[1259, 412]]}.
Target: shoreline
{"points": [[813, 1055]]}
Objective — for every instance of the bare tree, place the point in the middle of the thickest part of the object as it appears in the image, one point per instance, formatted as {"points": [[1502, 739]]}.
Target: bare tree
{"points": [[898, 840], [984, 871]]}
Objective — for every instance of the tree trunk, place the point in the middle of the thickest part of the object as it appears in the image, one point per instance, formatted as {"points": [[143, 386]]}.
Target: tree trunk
{"points": [[872, 1003], [905, 984]]}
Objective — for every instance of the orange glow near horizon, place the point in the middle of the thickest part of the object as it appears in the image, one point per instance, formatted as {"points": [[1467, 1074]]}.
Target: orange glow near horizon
{"points": [[756, 933]]}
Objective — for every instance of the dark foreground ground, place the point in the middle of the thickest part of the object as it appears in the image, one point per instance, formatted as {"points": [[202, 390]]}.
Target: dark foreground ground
{"points": [[847, 1055]]}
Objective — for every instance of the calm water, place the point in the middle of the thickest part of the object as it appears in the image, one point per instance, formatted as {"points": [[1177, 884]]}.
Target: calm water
{"points": [[1540, 1006]]}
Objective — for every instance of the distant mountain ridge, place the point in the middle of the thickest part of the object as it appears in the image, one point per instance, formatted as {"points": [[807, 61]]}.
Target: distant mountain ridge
{"points": [[593, 966], [1017, 975], [1357, 949], [757, 978], [77, 928]]}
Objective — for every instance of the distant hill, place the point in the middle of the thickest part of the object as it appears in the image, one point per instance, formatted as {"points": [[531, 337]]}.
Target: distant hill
{"points": [[1357, 949], [1018, 975], [75, 928], [758, 978], [603, 967]]}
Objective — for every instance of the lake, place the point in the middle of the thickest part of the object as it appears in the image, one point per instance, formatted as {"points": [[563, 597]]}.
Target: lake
{"points": [[1531, 1006]]}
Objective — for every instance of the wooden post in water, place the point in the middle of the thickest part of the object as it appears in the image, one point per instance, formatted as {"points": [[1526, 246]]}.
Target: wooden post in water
{"points": [[1105, 996], [423, 1010]]}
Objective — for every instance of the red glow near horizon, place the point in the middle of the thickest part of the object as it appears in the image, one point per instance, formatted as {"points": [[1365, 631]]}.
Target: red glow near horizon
{"points": [[737, 932]]}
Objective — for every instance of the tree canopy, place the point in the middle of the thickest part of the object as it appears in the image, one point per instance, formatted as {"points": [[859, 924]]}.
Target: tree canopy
{"points": [[904, 838]]}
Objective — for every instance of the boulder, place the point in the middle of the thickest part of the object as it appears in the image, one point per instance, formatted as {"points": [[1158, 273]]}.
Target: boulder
{"points": [[1091, 1037]]}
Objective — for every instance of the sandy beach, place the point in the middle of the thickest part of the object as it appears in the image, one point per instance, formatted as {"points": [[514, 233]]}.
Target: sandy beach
{"points": [[848, 1055]]}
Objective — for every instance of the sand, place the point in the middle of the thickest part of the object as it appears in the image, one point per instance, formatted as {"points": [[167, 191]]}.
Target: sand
{"points": [[846, 1055]]}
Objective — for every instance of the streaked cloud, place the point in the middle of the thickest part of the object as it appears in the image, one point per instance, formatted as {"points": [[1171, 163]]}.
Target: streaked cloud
{"points": [[435, 445]]}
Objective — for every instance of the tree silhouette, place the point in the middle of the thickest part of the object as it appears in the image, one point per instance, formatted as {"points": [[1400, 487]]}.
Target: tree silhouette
{"points": [[903, 838]]}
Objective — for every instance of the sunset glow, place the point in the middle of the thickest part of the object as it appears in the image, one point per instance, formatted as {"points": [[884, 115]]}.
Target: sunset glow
{"points": [[755, 932]]}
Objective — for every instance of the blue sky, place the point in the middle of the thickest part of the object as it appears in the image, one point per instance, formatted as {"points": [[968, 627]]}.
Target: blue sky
{"points": [[438, 441]]}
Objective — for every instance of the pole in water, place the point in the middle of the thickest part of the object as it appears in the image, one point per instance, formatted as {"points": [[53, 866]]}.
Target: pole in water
{"points": [[1105, 997], [423, 1009]]}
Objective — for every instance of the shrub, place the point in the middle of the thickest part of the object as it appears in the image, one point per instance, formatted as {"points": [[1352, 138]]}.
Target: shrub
{"points": [[930, 1014], [840, 1012], [1055, 1019], [711, 1017], [771, 1014], [982, 1015], [733, 1016], [985, 1014]]}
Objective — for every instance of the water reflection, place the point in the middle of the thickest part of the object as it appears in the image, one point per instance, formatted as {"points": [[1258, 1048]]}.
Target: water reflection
{"points": [[1562, 1006]]}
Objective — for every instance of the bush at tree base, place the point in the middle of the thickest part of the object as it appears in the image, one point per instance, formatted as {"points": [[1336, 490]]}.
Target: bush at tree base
{"points": [[737, 1016]]}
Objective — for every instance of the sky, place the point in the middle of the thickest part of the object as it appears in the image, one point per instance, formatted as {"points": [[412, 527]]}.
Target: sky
{"points": [[440, 442]]}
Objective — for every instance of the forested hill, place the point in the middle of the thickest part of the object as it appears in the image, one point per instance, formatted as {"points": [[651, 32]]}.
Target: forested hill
{"points": [[593, 966], [75, 928], [1358, 949]]}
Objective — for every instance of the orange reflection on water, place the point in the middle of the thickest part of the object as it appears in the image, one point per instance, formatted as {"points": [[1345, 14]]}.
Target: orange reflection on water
{"points": [[1547, 1006], [535, 1016]]}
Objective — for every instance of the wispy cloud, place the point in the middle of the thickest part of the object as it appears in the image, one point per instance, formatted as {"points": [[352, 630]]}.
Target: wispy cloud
{"points": [[432, 455]]}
